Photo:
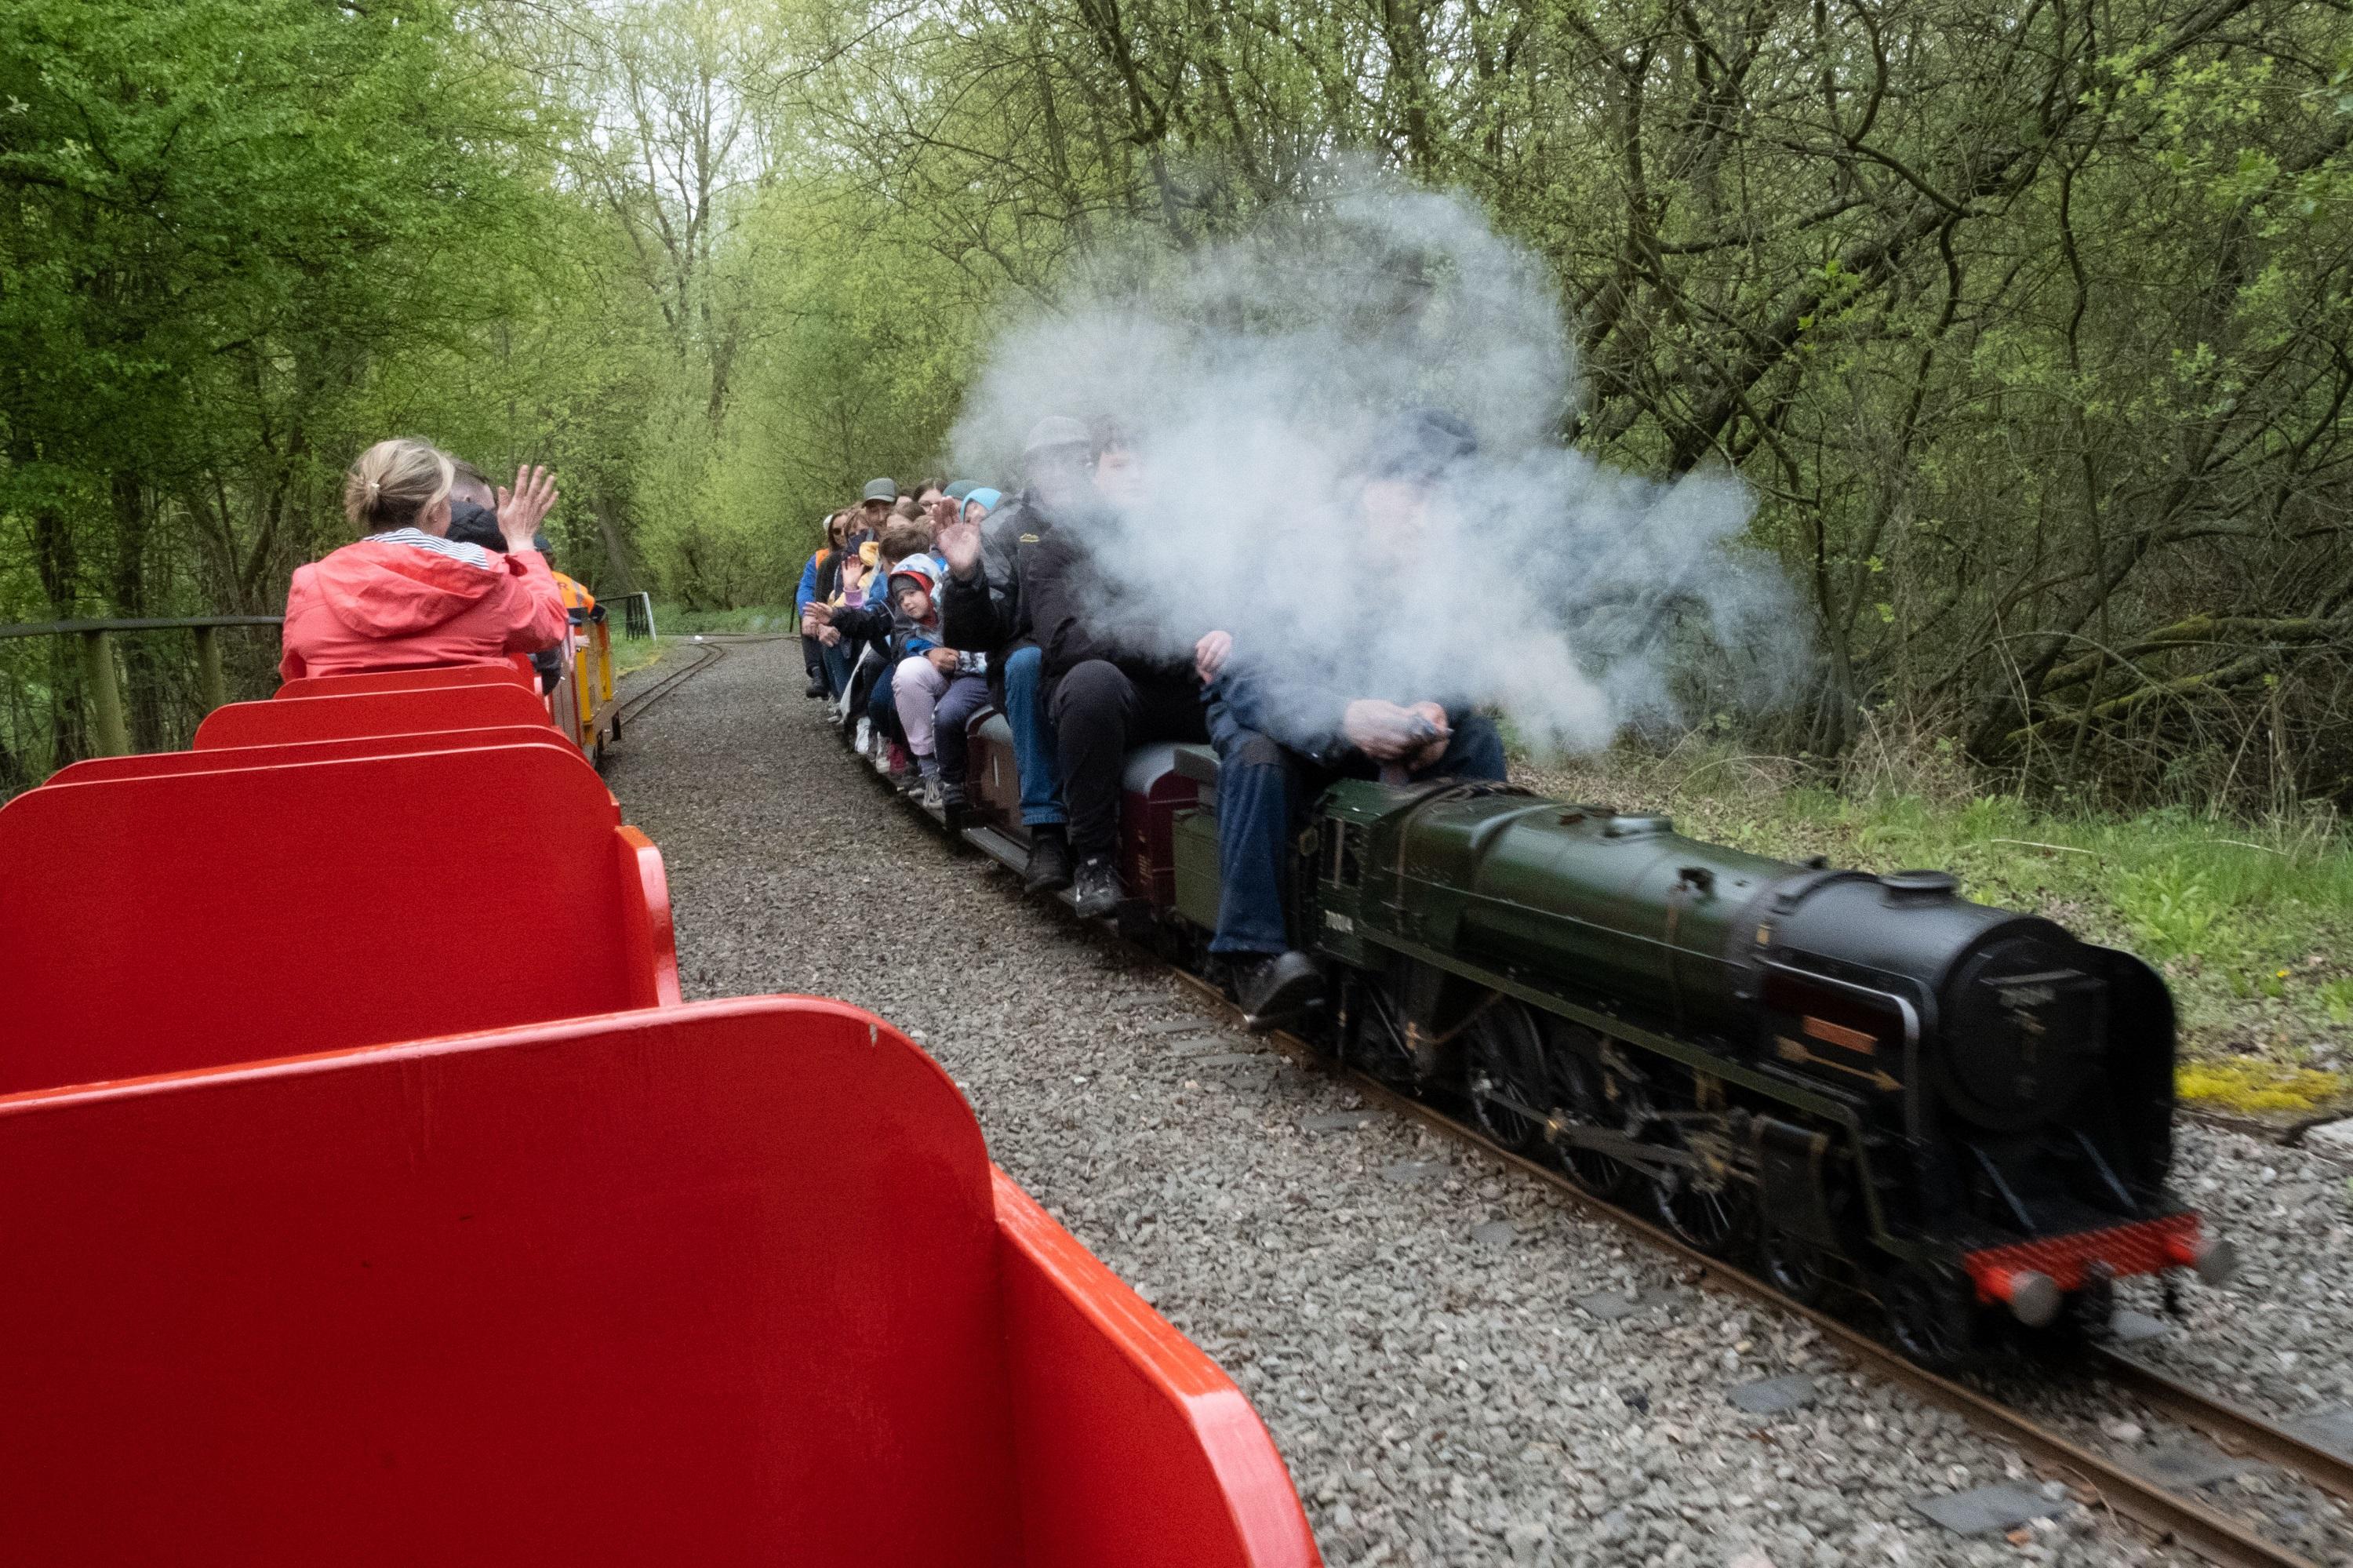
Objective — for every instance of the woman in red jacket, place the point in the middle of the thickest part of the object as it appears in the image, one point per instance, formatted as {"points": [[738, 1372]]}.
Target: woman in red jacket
{"points": [[405, 596]]}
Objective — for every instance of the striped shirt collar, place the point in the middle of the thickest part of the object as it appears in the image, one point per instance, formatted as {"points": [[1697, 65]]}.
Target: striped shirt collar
{"points": [[457, 550]]}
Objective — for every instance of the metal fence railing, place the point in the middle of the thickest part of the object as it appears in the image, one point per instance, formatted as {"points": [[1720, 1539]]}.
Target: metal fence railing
{"points": [[638, 615], [108, 727]]}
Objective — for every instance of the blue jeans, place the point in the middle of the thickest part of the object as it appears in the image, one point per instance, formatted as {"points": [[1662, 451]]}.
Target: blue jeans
{"points": [[1033, 740], [835, 660], [967, 695], [1257, 783], [883, 706]]}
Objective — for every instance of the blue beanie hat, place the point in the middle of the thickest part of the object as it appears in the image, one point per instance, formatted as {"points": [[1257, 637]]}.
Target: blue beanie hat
{"points": [[987, 498]]}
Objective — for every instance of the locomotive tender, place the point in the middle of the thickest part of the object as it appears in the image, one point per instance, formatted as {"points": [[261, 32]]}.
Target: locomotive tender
{"points": [[1866, 1081]]}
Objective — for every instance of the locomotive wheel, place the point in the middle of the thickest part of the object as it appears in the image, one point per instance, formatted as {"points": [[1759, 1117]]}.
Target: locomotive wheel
{"points": [[1375, 1041], [1930, 1317], [1587, 1102], [1507, 1074], [1707, 1212], [1708, 1207], [1793, 1265]]}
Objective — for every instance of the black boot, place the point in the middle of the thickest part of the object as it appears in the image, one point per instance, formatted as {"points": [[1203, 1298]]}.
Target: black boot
{"points": [[816, 688], [1049, 870], [1275, 988], [1096, 889]]}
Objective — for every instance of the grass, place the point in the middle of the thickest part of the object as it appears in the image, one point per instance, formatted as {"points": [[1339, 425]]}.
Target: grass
{"points": [[637, 653], [2251, 923], [677, 621]]}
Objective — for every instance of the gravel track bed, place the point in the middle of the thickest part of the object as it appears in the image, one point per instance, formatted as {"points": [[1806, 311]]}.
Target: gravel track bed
{"points": [[2279, 1337], [1400, 1310]]}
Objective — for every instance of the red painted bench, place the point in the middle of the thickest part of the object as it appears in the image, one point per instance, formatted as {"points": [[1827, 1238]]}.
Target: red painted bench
{"points": [[145, 764], [170, 921], [514, 671], [289, 719], [726, 1284]]}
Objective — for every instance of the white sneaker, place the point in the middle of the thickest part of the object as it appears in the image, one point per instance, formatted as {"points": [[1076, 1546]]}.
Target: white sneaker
{"points": [[933, 799], [865, 734]]}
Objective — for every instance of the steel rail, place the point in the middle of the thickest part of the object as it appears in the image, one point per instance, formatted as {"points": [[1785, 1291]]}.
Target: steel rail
{"points": [[2147, 1502], [2231, 1425], [636, 703]]}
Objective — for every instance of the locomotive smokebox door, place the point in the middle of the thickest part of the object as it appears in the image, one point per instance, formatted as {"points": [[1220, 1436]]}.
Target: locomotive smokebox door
{"points": [[2036, 1025]]}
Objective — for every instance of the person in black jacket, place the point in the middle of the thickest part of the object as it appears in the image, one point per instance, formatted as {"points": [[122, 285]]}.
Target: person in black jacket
{"points": [[1100, 697], [982, 610]]}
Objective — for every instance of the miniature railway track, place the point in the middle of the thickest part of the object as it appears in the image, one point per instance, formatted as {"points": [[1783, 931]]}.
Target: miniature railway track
{"points": [[2098, 1481], [2231, 1427], [635, 705]]}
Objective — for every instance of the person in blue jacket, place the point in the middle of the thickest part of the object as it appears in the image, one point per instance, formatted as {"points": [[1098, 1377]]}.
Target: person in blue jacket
{"points": [[814, 585]]}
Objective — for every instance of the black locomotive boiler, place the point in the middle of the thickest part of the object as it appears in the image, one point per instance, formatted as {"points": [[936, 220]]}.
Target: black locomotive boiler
{"points": [[1867, 1081]]}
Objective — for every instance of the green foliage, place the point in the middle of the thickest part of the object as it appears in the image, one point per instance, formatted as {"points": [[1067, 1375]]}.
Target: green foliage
{"points": [[239, 239], [2032, 338]]}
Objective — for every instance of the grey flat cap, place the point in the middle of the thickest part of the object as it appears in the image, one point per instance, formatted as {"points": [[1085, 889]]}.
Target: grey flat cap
{"points": [[1053, 433], [881, 490]]}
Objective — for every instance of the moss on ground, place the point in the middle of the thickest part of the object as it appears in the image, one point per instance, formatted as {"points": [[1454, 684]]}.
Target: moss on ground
{"points": [[2251, 923], [637, 653]]}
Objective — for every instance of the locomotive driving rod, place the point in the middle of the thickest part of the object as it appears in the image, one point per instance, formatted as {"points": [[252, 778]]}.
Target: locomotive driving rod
{"points": [[1626, 1149], [2100, 1481]]}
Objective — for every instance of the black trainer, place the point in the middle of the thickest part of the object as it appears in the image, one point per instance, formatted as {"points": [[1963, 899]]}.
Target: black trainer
{"points": [[1049, 870], [1095, 891], [1275, 988]]}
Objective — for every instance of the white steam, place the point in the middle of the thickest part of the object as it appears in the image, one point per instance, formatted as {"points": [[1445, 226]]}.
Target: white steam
{"points": [[1262, 381]]}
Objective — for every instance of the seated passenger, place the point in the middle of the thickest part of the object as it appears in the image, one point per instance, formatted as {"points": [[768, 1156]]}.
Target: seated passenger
{"points": [[935, 688], [406, 596], [473, 521], [1102, 695], [1279, 751], [982, 610], [873, 627], [817, 583]]}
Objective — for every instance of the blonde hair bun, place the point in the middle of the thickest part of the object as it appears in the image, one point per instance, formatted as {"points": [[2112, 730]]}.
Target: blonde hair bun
{"points": [[395, 482]]}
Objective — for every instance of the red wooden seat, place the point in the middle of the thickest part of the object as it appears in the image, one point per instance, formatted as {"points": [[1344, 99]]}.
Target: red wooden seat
{"points": [[92, 769], [182, 919], [726, 1284], [284, 720], [514, 670]]}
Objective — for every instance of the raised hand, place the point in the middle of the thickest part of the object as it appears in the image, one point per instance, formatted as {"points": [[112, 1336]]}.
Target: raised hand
{"points": [[522, 508], [959, 544], [1210, 653]]}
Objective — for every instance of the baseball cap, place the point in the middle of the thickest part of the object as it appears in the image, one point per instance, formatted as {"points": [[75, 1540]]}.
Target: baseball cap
{"points": [[1054, 433]]}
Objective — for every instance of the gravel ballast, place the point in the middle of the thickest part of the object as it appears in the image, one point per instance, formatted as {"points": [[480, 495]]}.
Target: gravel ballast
{"points": [[1402, 1311]]}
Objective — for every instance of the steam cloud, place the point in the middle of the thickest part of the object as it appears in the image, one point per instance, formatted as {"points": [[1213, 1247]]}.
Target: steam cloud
{"points": [[1257, 381]]}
